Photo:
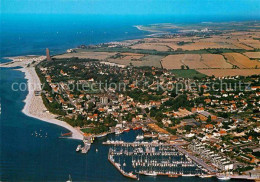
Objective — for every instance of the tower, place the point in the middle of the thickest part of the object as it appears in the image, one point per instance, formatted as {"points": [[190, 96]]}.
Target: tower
{"points": [[48, 54]]}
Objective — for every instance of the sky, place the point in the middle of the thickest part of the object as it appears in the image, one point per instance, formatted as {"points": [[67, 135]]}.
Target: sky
{"points": [[133, 7]]}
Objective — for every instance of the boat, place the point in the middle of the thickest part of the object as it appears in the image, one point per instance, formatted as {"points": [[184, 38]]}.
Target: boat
{"points": [[223, 178], [144, 129], [127, 129], [101, 135], [137, 128], [66, 134], [205, 176], [188, 175], [173, 176], [150, 173], [69, 180], [148, 135], [139, 137], [78, 148], [131, 175], [118, 132]]}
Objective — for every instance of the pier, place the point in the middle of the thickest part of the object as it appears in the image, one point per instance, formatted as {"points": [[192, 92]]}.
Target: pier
{"points": [[118, 167], [153, 159], [135, 144], [85, 148], [87, 144], [198, 161]]}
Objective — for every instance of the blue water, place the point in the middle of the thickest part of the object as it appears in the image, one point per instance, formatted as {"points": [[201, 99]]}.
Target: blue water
{"points": [[24, 157]]}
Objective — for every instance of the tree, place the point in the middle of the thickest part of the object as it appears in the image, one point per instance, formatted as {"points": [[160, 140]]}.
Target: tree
{"points": [[159, 116], [187, 128], [209, 119], [90, 106], [147, 110]]}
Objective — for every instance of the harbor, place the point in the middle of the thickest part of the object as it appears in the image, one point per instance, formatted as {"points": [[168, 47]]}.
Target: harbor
{"points": [[154, 159], [141, 157]]}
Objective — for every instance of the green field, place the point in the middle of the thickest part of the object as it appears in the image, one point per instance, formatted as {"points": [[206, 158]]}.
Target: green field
{"points": [[188, 73], [87, 130]]}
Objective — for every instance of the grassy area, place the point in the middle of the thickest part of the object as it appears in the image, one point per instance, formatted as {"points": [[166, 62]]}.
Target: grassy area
{"points": [[87, 130], [188, 73]]}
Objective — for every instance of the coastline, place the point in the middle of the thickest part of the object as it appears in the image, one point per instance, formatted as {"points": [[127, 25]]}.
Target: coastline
{"points": [[34, 106]]}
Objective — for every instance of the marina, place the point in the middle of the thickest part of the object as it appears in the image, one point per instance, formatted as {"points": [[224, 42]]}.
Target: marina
{"points": [[153, 159], [118, 167]]}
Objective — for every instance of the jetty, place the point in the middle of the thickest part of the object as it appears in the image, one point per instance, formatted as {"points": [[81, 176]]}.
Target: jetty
{"points": [[86, 147], [136, 143], [154, 158], [118, 167]]}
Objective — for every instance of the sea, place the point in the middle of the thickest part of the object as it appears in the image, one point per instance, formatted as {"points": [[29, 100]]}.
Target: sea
{"points": [[47, 157]]}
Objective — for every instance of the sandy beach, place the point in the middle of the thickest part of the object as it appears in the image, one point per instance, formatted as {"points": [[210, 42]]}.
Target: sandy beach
{"points": [[34, 106]]}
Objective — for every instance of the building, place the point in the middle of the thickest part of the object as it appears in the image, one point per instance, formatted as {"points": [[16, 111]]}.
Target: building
{"points": [[48, 54], [204, 115], [217, 159], [104, 100]]}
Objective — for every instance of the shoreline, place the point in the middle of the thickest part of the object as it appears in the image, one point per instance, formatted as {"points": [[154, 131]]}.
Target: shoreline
{"points": [[34, 106]]}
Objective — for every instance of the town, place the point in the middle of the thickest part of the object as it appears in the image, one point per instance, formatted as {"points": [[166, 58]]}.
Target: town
{"points": [[216, 118]]}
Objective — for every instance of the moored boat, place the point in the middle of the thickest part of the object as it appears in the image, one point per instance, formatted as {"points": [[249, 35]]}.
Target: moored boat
{"points": [[205, 176], [66, 134], [118, 132], [137, 128], [188, 175], [139, 137], [150, 173], [78, 148], [173, 176], [131, 175], [127, 129], [223, 178]]}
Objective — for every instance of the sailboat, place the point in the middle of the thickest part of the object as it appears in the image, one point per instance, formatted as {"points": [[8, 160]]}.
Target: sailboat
{"points": [[69, 180]]}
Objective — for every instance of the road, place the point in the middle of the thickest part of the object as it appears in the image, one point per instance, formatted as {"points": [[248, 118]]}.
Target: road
{"points": [[195, 159]]}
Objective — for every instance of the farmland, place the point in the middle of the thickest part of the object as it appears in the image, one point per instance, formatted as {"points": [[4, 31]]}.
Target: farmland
{"points": [[215, 61], [251, 43], [172, 62], [203, 45], [138, 61], [151, 46], [241, 61], [229, 72], [253, 55], [219, 49], [195, 61], [187, 73]]}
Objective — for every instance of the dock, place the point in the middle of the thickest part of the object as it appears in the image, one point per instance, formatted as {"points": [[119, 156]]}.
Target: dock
{"points": [[198, 161], [247, 177], [86, 146], [117, 166], [136, 144]]}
